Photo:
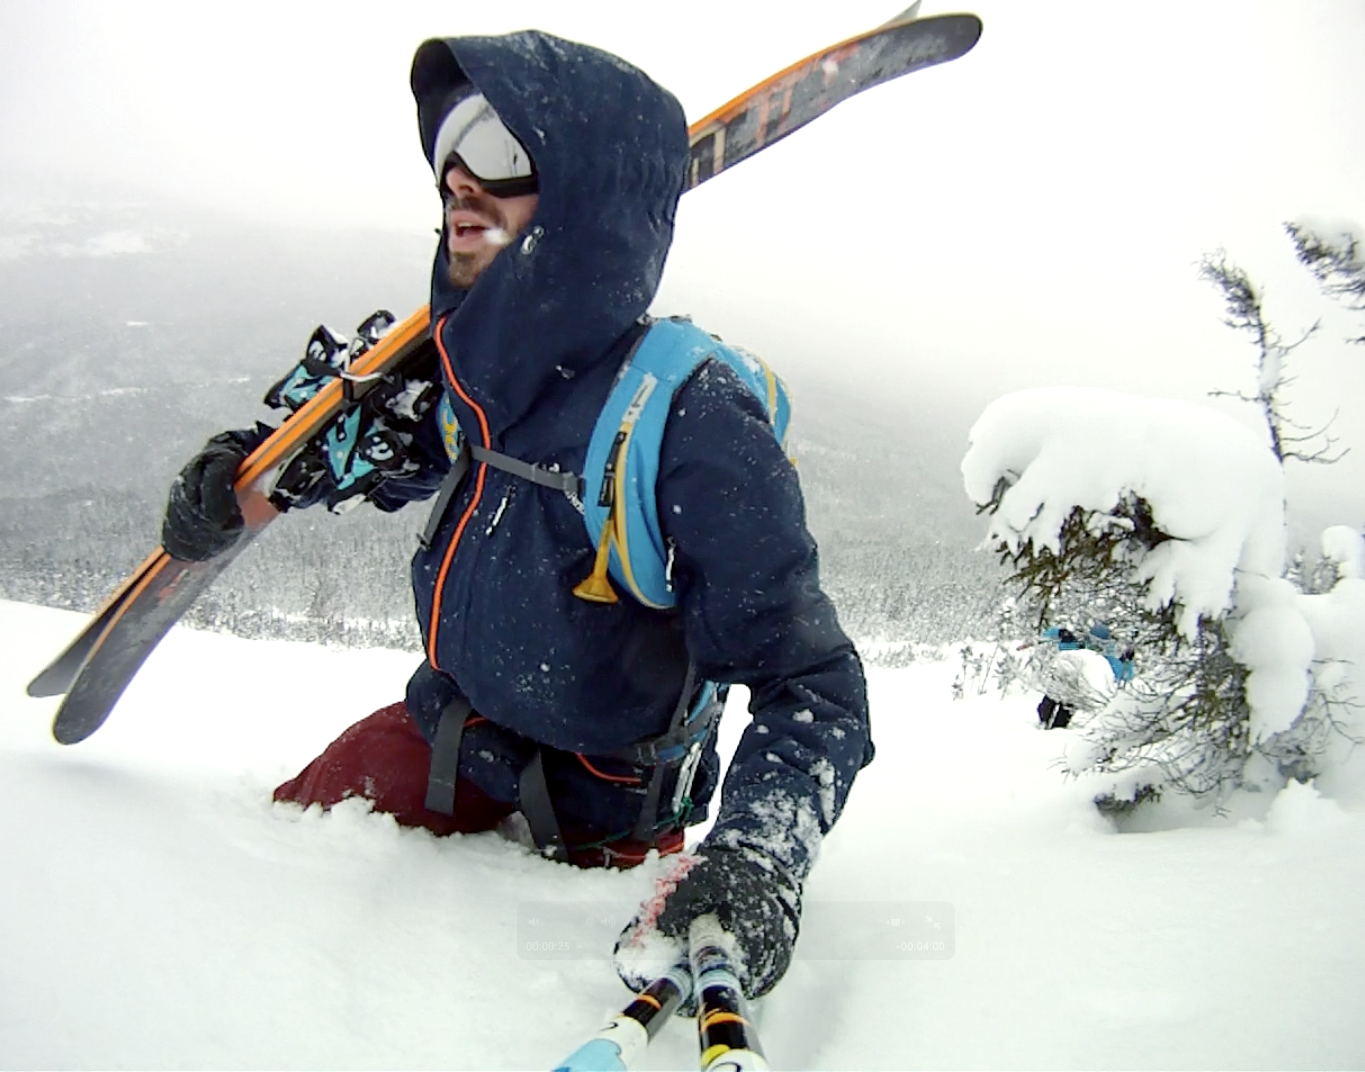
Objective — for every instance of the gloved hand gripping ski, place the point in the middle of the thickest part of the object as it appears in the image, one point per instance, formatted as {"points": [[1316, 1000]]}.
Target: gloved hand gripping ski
{"points": [[202, 515], [367, 443]]}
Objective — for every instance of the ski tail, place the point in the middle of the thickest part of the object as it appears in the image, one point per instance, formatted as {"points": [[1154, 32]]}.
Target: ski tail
{"points": [[59, 675]]}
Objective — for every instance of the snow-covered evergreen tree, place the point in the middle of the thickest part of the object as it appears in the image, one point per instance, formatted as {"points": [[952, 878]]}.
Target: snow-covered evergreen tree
{"points": [[1166, 519]]}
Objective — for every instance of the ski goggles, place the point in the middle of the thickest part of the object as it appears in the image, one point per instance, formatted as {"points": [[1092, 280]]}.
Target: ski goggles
{"points": [[473, 137]]}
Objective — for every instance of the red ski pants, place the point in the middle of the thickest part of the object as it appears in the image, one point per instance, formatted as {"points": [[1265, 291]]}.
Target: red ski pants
{"points": [[384, 759]]}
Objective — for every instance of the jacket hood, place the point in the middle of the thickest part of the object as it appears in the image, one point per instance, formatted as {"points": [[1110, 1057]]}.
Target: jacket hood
{"points": [[610, 148]]}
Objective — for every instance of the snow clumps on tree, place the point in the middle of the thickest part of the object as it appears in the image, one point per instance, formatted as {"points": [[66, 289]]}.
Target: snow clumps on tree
{"points": [[1165, 519]]}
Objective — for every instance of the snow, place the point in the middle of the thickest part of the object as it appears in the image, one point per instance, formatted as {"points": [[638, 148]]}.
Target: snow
{"points": [[1301, 809], [1079, 677], [107, 244], [159, 912], [1274, 640], [115, 244], [1337, 621], [1345, 547], [1211, 483]]}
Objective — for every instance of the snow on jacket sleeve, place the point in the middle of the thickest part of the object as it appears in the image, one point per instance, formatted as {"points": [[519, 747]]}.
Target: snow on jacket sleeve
{"points": [[746, 571]]}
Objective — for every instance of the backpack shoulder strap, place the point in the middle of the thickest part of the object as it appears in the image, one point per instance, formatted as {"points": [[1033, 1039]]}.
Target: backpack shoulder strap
{"points": [[620, 509]]}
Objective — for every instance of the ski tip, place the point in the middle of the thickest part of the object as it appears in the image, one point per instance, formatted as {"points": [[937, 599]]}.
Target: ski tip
{"points": [[43, 686], [965, 29], [978, 27], [58, 676], [72, 730], [960, 31]]}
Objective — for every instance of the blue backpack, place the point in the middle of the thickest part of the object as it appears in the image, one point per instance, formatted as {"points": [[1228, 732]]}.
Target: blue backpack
{"points": [[620, 508], [1099, 640], [616, 491]]}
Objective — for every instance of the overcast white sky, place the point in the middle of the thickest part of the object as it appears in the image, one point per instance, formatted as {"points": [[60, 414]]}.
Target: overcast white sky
{"points": [[1030, 215]]}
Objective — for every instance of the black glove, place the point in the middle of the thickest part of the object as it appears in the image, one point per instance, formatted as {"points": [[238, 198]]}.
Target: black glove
{"points": [[202, 515], [755, 898]]}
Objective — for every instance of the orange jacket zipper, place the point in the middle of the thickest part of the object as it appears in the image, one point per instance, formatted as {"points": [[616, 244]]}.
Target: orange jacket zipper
{"points": [[473, 502]]}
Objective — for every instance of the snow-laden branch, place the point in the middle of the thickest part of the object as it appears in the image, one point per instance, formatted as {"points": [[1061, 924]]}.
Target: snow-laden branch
{"points": [[1211, 484]]}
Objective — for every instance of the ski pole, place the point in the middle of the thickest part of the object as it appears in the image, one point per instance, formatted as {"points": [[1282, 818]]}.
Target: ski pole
{"points": [[617, 1045], [728, 1040]]}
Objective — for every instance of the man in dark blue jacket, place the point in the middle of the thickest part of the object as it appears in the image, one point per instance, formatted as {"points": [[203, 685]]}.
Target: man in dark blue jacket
{"points": [[560, 167]]}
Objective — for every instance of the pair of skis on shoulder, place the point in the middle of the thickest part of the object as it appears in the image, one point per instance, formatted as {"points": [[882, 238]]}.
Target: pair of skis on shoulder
{"points": [[98, 665]]}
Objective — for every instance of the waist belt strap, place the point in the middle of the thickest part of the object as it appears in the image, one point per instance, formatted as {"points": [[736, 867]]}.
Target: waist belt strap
{"points": [[539, 810], [666, 748], [445, 756], [649, 811]]}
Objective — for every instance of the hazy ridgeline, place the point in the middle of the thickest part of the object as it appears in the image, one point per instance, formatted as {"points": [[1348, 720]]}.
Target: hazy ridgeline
{"points": [[129, 333]]}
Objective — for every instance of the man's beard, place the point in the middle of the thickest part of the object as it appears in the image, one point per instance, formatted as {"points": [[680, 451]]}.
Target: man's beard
{"points": [[462, 269]]}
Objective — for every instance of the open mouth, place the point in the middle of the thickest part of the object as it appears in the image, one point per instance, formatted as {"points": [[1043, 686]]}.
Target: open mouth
{"points": [[468, 231]]}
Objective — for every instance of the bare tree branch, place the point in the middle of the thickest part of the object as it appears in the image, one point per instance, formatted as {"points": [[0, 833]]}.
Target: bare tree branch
{"points": [[1244, 312], [1337, 264]]}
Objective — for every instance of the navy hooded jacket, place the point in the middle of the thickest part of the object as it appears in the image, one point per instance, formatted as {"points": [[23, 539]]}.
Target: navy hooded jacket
{"points": [[529, 354]]}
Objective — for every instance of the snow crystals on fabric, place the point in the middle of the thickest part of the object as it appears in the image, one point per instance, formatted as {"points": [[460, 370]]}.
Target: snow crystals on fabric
{"points": [[788, 830], [404, 403], [824, 773]]}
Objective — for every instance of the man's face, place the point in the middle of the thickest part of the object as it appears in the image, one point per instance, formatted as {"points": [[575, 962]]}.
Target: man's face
{"points": [[478, 224]]}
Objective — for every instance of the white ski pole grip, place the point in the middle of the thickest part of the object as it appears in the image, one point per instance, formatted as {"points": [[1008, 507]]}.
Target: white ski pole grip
{"points": [[728, 1039]]}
